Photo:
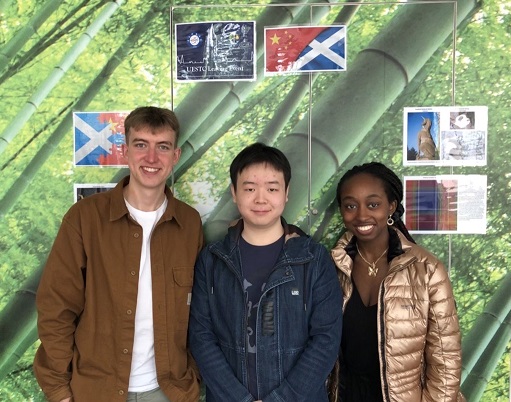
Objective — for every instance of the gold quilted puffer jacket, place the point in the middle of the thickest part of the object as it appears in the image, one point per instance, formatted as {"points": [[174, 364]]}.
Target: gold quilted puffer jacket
{"points": [[418, 330]]}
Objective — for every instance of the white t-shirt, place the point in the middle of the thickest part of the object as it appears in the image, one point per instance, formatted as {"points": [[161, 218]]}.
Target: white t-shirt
{"points": [[143, 365]]}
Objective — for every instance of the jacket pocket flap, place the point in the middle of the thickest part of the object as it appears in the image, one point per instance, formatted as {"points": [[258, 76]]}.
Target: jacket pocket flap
{"points": [[183, 276]]}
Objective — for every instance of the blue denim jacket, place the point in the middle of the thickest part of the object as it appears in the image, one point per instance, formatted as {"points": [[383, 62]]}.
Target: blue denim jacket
{"points": [[298, 323]]}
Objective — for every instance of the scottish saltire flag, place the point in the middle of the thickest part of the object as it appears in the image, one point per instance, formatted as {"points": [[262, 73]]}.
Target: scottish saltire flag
{"points": [[305, 49], [99, 138]]}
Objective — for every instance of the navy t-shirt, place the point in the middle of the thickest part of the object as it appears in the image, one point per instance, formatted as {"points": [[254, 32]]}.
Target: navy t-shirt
{"points": [[257, 262]]}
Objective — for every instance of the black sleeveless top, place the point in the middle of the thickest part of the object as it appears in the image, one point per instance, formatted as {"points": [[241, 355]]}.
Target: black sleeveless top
{"points": [[360, 367], [360, 370]]}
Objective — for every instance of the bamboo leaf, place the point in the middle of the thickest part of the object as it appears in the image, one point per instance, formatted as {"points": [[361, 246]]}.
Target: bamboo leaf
{"points": [[477, 380], [20, 39], [47, 149], [44, 89]]}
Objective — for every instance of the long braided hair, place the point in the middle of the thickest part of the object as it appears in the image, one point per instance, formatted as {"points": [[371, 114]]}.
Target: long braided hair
{"points": [[392, 185]]}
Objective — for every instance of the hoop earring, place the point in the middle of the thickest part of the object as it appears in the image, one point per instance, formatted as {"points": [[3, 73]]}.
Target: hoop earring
{"points": [[390, 221]]}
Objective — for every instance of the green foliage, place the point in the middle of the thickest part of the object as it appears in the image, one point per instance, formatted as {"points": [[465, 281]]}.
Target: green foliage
{"points": [[481, 64]]}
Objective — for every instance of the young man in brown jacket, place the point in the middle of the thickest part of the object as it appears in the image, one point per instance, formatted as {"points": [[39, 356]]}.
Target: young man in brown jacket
{"points": [[113, 301]]}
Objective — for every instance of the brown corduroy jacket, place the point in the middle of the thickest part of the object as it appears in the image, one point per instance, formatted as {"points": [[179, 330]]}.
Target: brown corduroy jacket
{"points": [[87, 299]]}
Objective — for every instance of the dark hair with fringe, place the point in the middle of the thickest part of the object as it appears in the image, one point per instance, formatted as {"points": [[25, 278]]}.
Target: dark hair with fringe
{"points": [[391, 183], [258, 153]]}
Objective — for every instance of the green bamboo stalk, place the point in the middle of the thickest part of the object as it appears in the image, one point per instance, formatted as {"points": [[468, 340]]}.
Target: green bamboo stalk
{"points": [[48, 39], [193, 151], [17, 324], [477, 380], [12, 47], [486, 326], [373, 81], [328, 201], [14, 192], [53, 79]]}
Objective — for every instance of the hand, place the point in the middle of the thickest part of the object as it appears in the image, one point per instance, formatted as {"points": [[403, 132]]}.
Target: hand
{"points": [[66, 400]]}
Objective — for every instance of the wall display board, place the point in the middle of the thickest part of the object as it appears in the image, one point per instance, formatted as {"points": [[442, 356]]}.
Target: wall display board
{"points": [[64, 67]]}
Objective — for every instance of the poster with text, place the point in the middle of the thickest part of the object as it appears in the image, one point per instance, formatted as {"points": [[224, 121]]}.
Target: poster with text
{"points": [[82, 190], [220, 51], [445, 136], [305, 49], [445, 204], [99, 138]]}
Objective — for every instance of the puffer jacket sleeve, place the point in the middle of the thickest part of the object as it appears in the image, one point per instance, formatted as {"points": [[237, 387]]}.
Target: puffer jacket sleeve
{"points": [[442, 352]]}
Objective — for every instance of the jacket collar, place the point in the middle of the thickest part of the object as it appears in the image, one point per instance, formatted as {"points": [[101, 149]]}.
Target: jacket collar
{"points": [[293, 252], [290, 231], [118, 206], [345, 249]]}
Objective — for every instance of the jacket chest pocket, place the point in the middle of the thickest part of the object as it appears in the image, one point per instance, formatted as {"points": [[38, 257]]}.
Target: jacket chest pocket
{"points": [[182, 289], [283, 311]]}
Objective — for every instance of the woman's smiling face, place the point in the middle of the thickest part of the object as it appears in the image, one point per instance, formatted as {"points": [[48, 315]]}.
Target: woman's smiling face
{"points": [[365, 206]]}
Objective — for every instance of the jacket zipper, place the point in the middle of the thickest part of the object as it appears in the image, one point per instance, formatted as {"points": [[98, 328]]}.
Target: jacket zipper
{"points": [[245, 315], [383, 368], [381, 319]]}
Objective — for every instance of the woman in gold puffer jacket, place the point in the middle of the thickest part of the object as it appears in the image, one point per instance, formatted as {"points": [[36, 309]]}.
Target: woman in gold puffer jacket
{"points": [[401, 339]]}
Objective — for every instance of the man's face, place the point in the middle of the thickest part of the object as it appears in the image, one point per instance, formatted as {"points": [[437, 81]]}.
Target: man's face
{"points": [[151, 155], [261, 196]]}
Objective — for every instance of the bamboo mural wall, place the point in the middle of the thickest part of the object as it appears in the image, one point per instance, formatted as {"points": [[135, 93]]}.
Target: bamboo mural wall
{"points": [[62, 56]]}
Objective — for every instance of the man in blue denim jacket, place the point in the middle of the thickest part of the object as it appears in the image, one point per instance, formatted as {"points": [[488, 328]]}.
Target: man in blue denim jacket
{"points": [[265, 318]]}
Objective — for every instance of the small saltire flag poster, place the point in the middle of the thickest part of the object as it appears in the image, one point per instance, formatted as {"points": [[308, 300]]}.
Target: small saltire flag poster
{"points": [[305, 49], [221, 51], [99, 138]]}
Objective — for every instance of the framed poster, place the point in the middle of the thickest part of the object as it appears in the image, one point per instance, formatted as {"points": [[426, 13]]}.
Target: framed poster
{"points": [[445, 136], [445, 204], [215, 51]]}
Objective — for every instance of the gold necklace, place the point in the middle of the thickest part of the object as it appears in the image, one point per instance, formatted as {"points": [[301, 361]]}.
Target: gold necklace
{"points": [[372, 269]]}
